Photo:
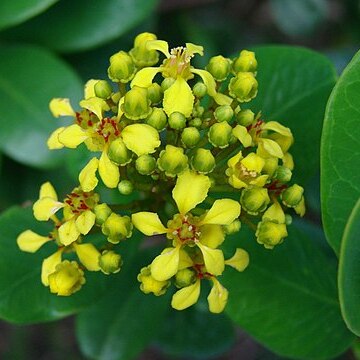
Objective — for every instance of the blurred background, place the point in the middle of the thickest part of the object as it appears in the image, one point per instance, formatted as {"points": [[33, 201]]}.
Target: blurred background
{"points": [[85, 33]]}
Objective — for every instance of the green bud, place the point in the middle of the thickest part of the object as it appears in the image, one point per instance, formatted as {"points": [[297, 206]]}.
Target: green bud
{"points": [[245, 117], [190, 136], [149, 284], [145, 164], [177, 120], [122, 68], [233, 228], [198, 110], [219, 134], [243, 86], [117, 228], [102, 212], [102, 89], [283, 174], [203, 161], [155, 93], [115, 97], [157, 119], [271, 165], [119, 153], [270, 234], [166, 83], [288, 219], [224, 113], [185, 277], [199, 89], [172, 160], [140, 54], [110, 262], [292, 196], [125, 187], [245, 62], [219, 67], [196, 122], [136, 104], [254, 200]]}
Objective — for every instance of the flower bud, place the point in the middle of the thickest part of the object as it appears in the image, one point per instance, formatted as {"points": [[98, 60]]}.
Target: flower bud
{"points": [[243, 86], [270, 166], [136, 104], [102, 89], [245, 62], [125, 187], [102, 212], [185, 277], [166, 83], [172, 160], [220, 134], [190, 136], [245, 117], [140, 54], [282, 174], [110, 262], [117, 228], [203, 161], [149, 284], [219, 67], [177, 120], [233, 228], [157, 119], [196, 122], [199, 90], [224, 113], [292, 196], [198, 110], [119, 153], [270, 234], [254, 200], [122, 68], [155, 93], [145, 164]]}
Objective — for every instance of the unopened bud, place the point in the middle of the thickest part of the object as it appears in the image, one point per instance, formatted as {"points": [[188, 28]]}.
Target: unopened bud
{"points": [[157, 119], [166, 83], [233, 228], [224, 113], [145, 164], [172, 160], [199, 89], [190, 136], [245, 117], [102, 89], [177, 120], [136, 104], [283, 174], [102, 212], [243, 86], [125, 187], [122, 68], [270, 234], [245, 62], [149, 284], [140, 54], [117, 228], [155, 93], [196, 122], [292, 196], [203, 161], [119, 153], [219, 67], [254, 200], [110, 262], [185, 277], [220, 134]]}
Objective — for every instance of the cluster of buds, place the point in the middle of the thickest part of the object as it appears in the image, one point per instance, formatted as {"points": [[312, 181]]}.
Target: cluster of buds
{"points": [[169, 136]]}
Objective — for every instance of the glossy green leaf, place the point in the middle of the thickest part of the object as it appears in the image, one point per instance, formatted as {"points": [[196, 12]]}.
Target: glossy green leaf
{"points": [[23, 299], [294, 85], [349, 271], [15, 12], [29, 78], [340, 154], [78, 25], [287, 297]]}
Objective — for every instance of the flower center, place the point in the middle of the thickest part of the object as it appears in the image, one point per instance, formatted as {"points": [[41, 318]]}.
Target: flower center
{"points": [[108, 129], [255, 129], [85, 119], [80, 201], [178, 64], [183, 229], [243, 173]]}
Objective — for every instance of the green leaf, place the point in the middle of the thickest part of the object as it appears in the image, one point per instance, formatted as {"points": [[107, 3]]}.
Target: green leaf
{"points": [[29, 78], [23, 299], [340, 155], [15, 12], [78, 25], [349, 271], [294, 85], [287, 298]]}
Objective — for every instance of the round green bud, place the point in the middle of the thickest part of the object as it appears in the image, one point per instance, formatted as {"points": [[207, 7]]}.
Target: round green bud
{"points": [[198, 110], [270, 234], [199, 89], [115, 97], [110, 262], [149, 284], [136, 104], [122, 68], [157, 119], [185, 277], [203, 161], [245, 117], [292, 196], [219, 134], [233, 228], [177, 120], [155, 93], [172, 160], [283, 174], [103, 89], [125, 187], [119, 153], [196, 122], [145, 164], [224, 113], [270, 166], [102, 212], [140, 54], [245, 62], [254, 200], [288, 219], [243, 86], [190, 136], [219, 67], [117, 228], [166, 83]]}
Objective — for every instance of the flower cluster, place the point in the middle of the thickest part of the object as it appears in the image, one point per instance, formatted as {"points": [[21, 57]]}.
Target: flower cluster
{"points": [[173, 134]]}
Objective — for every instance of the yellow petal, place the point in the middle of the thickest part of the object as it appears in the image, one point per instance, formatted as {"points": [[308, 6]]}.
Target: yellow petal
{"points": [[241, 133], [61, 107], [53, 141], [213, 259], [166, 265], [30, 241], [274, 213], [120, 105], [85, 221], [212, 235], [68, 232], [72, 136], [89, 90], [269, 147], [186, 296], [192, 49], [47, 190], [49, 265], [87, 177], [109, 172], [190, 190], [145, 76], [45, 207], [148, 223], [217, 298], [288, 161], [278, 128], [178, 98], [222, 212], [159, 45], [239, 261], [185, 260], [88, 256], [235, 159], [253, 162], [141, 139], [95, 105]]}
